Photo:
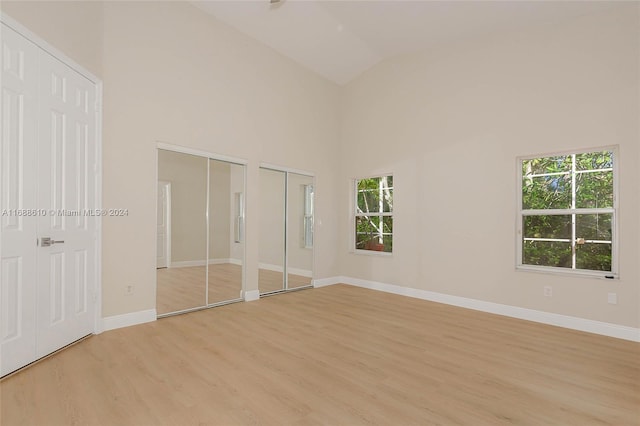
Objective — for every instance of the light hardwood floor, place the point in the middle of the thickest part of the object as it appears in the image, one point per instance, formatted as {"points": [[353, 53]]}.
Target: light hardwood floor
{"points": [[337, 355]]}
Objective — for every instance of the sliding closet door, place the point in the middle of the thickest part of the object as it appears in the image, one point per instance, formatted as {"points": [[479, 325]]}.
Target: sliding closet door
{"points": [[299, 230], [181, 285], [200, 232], [226, 231], [286, 231], [272, 212]]}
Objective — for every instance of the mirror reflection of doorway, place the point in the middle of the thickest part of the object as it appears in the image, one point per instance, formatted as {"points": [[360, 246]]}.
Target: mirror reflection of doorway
{"points": [[163, 255], [200, 247]]}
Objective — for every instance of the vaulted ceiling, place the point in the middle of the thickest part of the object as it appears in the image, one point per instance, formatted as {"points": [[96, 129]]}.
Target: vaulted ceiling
{"points": [[341, 39]]}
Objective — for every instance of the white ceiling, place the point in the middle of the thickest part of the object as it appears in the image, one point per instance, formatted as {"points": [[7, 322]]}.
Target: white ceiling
{"points": [[341, 39]]}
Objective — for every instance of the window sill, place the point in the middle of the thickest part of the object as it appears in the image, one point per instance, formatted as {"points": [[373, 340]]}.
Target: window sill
{"points": [[610, 276]]}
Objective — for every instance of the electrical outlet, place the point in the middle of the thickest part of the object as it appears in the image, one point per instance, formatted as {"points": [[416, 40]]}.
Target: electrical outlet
{"points": [[612, 298], [548, 291], [129, 289]]}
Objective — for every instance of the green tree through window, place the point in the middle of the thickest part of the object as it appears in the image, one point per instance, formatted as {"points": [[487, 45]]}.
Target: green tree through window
{"points": [[568, 211], [374, 214]]}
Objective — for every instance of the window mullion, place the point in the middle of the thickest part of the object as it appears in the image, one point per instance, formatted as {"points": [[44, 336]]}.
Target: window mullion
{"points": [[555, 212], [380, 208], [573, 215]]}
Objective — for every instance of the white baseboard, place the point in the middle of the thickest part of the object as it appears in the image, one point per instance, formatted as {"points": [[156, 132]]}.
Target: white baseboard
{"points": [[574, 323], [302, 272], [189, 263], [323, 282], [280, 268], [219, 261], [126, 320], [251, 295], [271, 267]]}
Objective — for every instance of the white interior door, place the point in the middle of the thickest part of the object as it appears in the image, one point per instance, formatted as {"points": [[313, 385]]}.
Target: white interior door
{"points": [[18, 233], [49, 189], [164, 225], [66, 189]]}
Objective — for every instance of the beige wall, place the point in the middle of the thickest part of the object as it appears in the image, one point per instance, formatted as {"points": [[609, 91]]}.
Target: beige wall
{"points": [[73, 27], [188, 177], [450, 124]]}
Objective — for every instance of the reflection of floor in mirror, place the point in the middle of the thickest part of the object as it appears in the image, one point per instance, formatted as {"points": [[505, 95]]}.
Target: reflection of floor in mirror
{"points": [[184, 288], [269, 281], [179, 288], [225, 282]]}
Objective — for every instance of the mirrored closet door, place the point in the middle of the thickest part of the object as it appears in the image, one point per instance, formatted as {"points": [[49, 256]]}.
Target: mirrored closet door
{"points": [[200, 227], [299, 230], [226, 224], [182, 231], [272, 230], [286, 231]]}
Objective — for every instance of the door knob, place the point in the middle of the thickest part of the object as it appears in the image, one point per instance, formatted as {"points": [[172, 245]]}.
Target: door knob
{"points": [[47, 242]]}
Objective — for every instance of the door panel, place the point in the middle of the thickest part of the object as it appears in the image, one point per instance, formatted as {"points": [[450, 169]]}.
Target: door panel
{"points": [[82, 282], [19, 66], [226, 248], [183, 284], [299, 224], [57, 284], [271, 276], [82, 163], [57, 146], [12, 287], [66, 164]]}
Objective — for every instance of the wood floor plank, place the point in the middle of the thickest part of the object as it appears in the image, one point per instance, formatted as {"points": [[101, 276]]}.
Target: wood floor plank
{"points": [[338, 355]]}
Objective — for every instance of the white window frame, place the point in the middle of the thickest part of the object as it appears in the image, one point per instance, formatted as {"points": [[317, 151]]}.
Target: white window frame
{"points": [[238, 227], [521, 213], [307, 220], [355, 215]]}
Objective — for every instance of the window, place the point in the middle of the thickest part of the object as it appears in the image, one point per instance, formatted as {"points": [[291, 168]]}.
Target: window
{"points": [[238, 225], [308, 216], [567, 213], [374, 214]]}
